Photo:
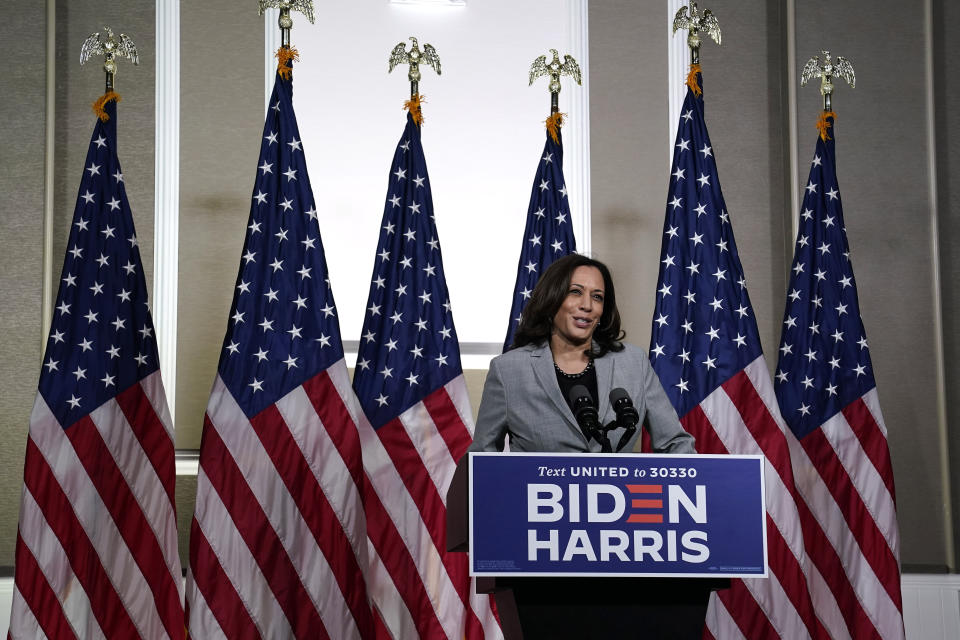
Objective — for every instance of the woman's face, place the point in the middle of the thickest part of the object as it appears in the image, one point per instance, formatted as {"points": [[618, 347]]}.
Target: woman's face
{"points": [[580, 311]]}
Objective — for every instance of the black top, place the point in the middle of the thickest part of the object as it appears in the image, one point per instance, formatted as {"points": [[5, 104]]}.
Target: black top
{"points": [[567, 381]]}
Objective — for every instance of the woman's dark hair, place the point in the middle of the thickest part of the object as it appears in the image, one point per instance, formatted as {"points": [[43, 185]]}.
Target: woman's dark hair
{"points": [[536, 322]]}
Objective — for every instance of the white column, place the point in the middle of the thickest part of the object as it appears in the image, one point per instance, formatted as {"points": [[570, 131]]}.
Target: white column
{"points": [[271, 42], [48, 286], [791, 19], [166, 205], [576, 132], [678, 65], [938, 332]]}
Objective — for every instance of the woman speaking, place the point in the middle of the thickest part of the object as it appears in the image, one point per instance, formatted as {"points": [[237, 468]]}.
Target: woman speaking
{"points": [[552, 390]]}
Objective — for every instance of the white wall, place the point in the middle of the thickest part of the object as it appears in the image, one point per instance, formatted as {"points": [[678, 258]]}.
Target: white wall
{"points": [[483, 136]]}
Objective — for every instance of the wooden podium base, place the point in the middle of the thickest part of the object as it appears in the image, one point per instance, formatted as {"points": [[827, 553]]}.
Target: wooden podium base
{"points": [[603, 608]]}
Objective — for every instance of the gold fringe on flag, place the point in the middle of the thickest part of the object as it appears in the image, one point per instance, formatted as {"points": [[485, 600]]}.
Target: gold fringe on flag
{"points": [[692, 80], [554, 122], [413, 106], [285, 55], [823, 124], [101, 103]]}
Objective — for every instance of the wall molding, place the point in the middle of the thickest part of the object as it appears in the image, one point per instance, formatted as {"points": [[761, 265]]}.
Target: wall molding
{"points": [[931, 607], [6, 601]]}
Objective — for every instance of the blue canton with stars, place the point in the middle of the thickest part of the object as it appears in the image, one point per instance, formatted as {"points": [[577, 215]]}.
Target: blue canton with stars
{"points": [[408, 347], [704, 330], [824, 362], [549, 231], [101, 339], [283, 326]]}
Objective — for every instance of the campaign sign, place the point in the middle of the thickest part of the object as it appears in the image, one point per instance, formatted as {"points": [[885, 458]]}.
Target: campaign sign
{"points": [[579, 514]]}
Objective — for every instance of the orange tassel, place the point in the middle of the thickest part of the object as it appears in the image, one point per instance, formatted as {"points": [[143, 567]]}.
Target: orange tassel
{"points": [[823, 124], [285, 55], [554, 122], [413, 106], [101, 103], [692, 80]]}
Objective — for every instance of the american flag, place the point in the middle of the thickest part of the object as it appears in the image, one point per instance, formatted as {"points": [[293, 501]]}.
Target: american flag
{"points": [[277, 543], [706, 349], [828, 397], [416, 419], [96, 553], [549, 231]]}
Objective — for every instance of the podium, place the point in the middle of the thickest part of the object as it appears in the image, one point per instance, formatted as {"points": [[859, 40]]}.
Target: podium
{"points": [[592, 604]]}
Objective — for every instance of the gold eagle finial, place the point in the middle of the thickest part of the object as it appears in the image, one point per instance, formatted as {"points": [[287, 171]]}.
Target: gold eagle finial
{"points": [[414, 57], [695, 22], [109, 46], [555, 69], [285, 22], [825, 71]]}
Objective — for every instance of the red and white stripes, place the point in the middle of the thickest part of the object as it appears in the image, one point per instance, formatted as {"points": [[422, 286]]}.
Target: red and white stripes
{"points": [[735, 419], [832, 534], [278, 543], [97, 546], [851, 520], [419, 589]]}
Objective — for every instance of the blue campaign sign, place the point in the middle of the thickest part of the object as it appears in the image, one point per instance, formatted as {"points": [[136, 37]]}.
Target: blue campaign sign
{"points": [[581, 514]]}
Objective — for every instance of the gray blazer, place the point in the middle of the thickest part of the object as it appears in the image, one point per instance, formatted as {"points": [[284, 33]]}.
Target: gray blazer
{"points": [[521, 398]]}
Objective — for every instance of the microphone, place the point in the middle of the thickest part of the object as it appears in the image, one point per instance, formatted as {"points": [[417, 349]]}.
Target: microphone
{"points": [[627, 415], [585, 411], [584, 408]]}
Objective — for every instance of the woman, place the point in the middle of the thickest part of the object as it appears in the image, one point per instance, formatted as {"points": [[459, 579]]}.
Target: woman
{"points": [[570, 334]]}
